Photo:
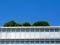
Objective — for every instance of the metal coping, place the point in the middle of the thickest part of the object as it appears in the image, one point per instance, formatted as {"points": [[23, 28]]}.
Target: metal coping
{"points": [[30, 39], [33, 27]]}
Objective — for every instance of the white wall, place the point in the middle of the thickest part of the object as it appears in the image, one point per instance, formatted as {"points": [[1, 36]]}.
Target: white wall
{"points": [[27, 35]]}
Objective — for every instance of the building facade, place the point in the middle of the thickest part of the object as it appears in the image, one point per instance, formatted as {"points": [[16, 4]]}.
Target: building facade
{"points": [[33, 35]]}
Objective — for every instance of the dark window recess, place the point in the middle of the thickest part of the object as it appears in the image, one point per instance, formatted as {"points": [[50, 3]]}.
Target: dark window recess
{"points": [[57, 29], [51, 30], [46, 30]]}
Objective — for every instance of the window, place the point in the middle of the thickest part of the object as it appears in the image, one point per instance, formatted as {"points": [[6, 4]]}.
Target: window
{"points": [[51, 30], [17, 41], [13, 30], [57, 41], [42, 41], [57, 29], [28, 30], [7, 42], [46, 30], [0, 29], [33, 30], [47, 41], [52, 41], [18, 30], [28, 41], [2, 41], [8, 30], [32, 41], [3, 30], [37, 30], [41, 30], [37, 41], [22, 30], [22, 41]]}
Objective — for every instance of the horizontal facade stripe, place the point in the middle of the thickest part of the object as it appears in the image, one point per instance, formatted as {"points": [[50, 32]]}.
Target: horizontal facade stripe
{"points": [[29, 41], [33, 27], [32, 39]]}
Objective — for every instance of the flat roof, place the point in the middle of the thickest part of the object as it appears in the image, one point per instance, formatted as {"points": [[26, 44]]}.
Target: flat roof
{"points": [[33, 27]]}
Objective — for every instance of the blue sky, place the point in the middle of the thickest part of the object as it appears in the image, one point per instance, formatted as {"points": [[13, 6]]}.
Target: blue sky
{"points": [[30, 11]]}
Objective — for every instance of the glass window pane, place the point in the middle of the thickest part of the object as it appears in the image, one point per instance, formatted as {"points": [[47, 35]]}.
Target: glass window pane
{"points": [[8, 30], [52, 41], [22, 41], [47, 41], [51, 30], [23, 30], [57, 29], [42, 41], [37, 42], [32, 41], [0, 29], [28, 30], [27, 41], [46, 30], [41, 30], [3, 30], [36, 30], [18, 30], [57, 41]]}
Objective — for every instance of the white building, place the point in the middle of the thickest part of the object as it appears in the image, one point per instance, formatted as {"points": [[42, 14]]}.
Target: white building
{"points": [[33, 35]]}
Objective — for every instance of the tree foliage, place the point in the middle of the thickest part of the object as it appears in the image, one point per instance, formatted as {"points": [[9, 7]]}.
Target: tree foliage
{"points": [[38, 23], [41, 23], [26, 24], [12, 23], [18, 24]]}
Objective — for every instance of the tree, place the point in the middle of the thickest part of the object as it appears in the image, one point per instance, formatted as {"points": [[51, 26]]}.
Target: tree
{"points": [[11, 23], [38, 23], [41, 23], [18, 24], [26, 24]]}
